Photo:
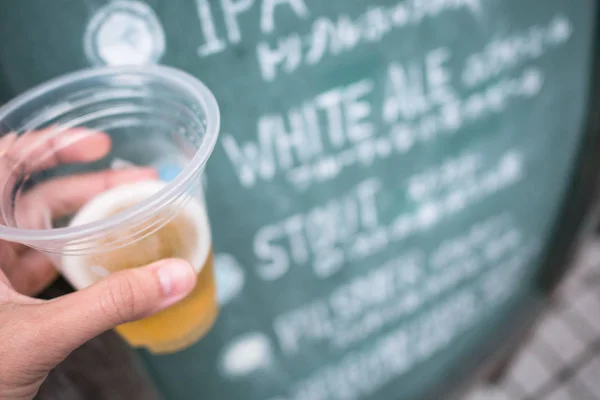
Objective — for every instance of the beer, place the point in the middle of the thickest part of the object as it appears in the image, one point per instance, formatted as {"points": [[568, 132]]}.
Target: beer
{"points": [[186, 235]]}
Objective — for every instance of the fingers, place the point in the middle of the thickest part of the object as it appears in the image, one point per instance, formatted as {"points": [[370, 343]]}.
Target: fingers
{"points": [[31, 274], [125, 296], [22, 155], [7, 259], [5, 287], [63, 196], [6, 142], [49, 147]]}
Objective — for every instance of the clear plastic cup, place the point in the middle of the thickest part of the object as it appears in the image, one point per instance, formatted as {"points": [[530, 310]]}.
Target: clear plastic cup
{"points": [[102, 170]]}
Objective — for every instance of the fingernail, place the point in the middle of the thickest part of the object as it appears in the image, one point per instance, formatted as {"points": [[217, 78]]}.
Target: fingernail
{"points": [[174, 276]]}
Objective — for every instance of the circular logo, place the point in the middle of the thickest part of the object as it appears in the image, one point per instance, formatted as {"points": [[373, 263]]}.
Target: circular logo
{"points": [[124, 33]]}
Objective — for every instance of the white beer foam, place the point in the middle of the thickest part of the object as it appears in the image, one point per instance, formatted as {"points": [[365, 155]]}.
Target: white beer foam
{"points": [[105, 204]]}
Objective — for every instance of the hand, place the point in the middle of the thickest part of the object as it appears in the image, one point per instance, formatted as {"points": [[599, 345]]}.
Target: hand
{"points": [[36, 335]]}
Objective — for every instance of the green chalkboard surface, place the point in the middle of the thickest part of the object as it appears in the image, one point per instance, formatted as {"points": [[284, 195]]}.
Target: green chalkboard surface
{"points": [[385, 187]]}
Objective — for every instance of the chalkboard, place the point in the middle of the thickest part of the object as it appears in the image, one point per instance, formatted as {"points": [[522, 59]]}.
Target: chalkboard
{"points": [[386, 185]]}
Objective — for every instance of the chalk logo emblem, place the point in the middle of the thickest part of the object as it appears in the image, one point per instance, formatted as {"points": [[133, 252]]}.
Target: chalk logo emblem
{"points": [[124, 33]]}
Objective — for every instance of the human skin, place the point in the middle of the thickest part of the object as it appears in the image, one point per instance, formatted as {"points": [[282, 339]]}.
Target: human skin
{"points": [[36, 335]]}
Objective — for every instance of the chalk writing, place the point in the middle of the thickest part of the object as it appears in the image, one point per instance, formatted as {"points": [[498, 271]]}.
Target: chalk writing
{"points": [[329, 37], [317, 141], [229, 276], [232, 11], [317, 233], [447, 120], [361, 372], [505, 53], [343, 111], [348, 228], [369, 302], [320, 138]]}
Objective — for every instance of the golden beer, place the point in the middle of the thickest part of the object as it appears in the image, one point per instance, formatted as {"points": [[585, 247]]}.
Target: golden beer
{"points": [[186, 236], [180, 325]]}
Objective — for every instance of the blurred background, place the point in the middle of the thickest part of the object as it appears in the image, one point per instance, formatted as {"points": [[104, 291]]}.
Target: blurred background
{"points": [[561, 358]]}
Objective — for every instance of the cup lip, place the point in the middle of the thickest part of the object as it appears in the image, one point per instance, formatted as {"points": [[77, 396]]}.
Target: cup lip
{"points": [[168, 74]]}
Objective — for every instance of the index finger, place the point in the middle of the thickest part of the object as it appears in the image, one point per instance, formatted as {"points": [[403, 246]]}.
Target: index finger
{"points": [[52, 146], [63, 196]]}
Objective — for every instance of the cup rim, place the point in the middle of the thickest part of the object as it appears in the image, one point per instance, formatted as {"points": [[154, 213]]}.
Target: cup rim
{"points": [[183, 80]]}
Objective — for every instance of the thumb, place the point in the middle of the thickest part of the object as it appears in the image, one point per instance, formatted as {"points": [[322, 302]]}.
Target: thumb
{"points": [[121, 297]]}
